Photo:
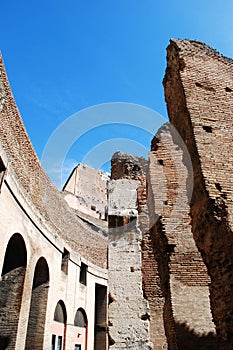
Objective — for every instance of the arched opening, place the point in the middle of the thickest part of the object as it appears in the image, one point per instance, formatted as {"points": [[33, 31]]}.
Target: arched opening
{"points": [[59, 327], [37, 314], [11, 289], [80, 324]]}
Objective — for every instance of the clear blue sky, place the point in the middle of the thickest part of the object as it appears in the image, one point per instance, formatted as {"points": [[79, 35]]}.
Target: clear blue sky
{"points": [[63, 56]]}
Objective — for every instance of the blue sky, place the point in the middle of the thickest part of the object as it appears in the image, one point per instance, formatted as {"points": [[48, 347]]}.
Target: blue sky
{"points": [[64, 56]]}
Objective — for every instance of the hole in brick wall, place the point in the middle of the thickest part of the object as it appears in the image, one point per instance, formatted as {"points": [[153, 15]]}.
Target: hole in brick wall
{"points": [[218, 186], [170, 248], [205, 87], [145, 317], [93, 207], [132, 269], [207, 128], [160, 161], [165, 202], [227, 89], [136, 168]]}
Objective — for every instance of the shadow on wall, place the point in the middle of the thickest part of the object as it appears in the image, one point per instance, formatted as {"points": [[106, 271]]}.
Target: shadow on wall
{"points": [[4, 342], [188, 340]]}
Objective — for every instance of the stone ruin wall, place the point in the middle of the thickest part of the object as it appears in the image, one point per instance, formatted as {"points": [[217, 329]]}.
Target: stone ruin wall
{"points": [[171, 266], [199, 95], [86, 191], [129, 315], [136, 168]]}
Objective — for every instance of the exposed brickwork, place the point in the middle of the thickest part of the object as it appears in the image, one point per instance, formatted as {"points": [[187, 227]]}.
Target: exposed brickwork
{"points": [[11, 288], [184, 275], [150, 274], [36, 325], [198, 90], [127, 166], [38, 307]]}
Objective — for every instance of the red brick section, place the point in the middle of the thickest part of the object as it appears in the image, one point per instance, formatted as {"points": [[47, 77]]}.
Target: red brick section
{"points": [[184, 277], [151, 280], [37, 315], [11, 288], [199, 95], [38, 307]]}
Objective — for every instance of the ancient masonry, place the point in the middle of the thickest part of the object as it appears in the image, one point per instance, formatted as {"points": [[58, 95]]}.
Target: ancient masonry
{"points": [[142, 259]]}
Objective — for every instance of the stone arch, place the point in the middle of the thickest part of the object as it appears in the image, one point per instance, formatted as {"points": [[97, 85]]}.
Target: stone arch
{"points": [[11, 289], [38, 307], [60, 314], [81, 329], [80, 319], [59, 327]]}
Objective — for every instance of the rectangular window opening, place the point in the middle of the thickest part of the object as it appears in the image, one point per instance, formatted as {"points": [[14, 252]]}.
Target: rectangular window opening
{"points": [[53, 342], [83, 274], [59, 343], [65, 261], [77, 347]]}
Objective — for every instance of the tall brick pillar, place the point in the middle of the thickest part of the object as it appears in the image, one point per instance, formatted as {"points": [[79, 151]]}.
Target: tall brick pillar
{"points": [[199, 95]]}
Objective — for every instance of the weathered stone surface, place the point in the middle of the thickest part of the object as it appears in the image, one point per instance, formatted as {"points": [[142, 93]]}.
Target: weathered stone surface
{"points": [[122, 197], [128, 309], [86, 191]]}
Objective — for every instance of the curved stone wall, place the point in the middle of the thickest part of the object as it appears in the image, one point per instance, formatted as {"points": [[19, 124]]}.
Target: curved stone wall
{"points": [[57, 247], [35, 186]]}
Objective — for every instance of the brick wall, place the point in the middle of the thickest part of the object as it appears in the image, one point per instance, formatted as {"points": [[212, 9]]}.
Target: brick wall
{"points": [[38, 307], [198, 90], [184, 277], [11, 288]]}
